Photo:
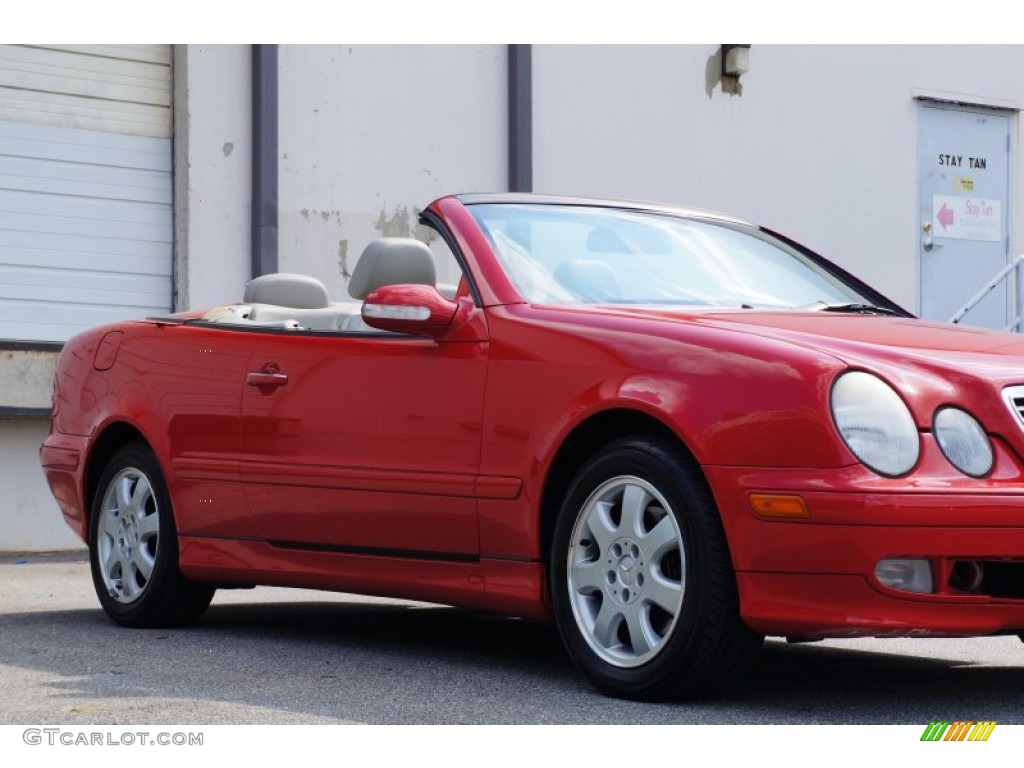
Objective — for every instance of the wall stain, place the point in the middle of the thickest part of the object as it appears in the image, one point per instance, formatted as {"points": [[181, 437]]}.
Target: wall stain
{"points": [[713, 76], [396, 226], [228, 148], [401, 224], [343, 258], [309, 213]]}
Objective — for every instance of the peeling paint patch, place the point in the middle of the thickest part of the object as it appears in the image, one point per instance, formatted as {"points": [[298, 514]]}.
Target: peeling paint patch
{"points": [[404, 224], [228, 148], [396, 226], [343, 258], [713, 77]]}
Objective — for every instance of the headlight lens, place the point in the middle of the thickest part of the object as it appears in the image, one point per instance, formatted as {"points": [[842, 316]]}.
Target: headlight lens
{"points": [[963, 441], [875, 423]]}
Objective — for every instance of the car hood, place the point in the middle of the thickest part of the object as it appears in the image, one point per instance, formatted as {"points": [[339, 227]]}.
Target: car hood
{"points": [[854, 337], [859, 338], [931, 364]]}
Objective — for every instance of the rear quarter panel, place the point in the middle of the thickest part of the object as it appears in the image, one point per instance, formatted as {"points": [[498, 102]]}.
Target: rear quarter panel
{"points": [[180, 387]]}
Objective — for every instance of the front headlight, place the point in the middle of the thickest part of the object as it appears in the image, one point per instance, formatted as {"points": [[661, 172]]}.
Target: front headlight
{"points": [[963, 441], [875, 423]]}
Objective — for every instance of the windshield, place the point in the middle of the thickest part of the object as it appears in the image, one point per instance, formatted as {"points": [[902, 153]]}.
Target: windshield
{"points": [[572, 254]]}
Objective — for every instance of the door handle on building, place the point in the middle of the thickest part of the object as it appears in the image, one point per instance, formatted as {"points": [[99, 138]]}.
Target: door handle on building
{"points": [[927, 242]]}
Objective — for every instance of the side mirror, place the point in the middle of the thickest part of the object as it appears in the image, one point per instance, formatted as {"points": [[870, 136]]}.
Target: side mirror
{"points": [[409, 309]]}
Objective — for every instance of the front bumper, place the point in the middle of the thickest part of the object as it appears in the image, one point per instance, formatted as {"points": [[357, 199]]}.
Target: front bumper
{"points": [[834, 606], [815, 577]]}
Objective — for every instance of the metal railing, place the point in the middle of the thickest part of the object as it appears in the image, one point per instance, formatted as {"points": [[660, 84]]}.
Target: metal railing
{"points": [[1018, 295]]}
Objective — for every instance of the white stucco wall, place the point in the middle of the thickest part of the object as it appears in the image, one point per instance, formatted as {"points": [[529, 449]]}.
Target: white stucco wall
{"points": [[820, 144], [213, 177], [30, 519], [371, 134]]}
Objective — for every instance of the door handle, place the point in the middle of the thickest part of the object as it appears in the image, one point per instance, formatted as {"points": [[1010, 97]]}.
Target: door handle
{"points": [[270, 376], [927, 242]]}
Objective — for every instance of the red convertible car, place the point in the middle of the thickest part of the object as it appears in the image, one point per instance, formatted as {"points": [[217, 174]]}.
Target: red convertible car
{"points": [[666, 431]]}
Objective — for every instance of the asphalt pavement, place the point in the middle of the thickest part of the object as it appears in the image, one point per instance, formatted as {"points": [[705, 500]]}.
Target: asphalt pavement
{"points": [[283, 656]]}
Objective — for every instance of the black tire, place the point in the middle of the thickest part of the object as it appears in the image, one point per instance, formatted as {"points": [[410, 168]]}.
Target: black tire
{"points": [[641, 579], [133, 546]]}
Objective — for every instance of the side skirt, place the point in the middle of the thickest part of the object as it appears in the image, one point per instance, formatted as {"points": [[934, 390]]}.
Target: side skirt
{"points": [[505, 586]]}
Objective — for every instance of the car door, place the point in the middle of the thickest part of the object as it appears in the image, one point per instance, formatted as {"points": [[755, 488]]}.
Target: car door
{"points": [[366, 443]]}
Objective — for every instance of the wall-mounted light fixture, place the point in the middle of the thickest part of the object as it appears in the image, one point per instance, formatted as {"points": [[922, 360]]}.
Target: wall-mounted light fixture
{"points": [[735, 60]]}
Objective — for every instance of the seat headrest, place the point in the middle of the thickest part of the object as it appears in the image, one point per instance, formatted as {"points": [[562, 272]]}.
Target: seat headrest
{"points": [[392, 261], [287, 290]]}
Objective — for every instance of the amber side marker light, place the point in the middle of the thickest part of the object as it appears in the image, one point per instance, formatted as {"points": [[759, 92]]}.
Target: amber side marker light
{"points": [[773, 505]]}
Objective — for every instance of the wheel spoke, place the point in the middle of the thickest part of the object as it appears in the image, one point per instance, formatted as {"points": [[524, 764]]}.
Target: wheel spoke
{"points": [[634, 501], [663, 593], [127, 578], [124, 494], [662, 537], [143, 564], [600, 525], [589, 576], [140, 495], [110, 524], [149, 526], [606, 626], [109, 561], [641, 636]]}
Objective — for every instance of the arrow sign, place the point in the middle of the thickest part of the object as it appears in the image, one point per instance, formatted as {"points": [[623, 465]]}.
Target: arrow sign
{"points": [[945, 217], [967, 218]]}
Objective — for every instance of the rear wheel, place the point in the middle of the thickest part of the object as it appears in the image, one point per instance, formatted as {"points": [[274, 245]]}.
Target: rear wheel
{"points": [[641, 578], [134, 546]]}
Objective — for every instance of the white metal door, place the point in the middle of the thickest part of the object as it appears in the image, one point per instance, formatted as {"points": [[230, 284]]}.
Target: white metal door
{"points": [[963, 172]]}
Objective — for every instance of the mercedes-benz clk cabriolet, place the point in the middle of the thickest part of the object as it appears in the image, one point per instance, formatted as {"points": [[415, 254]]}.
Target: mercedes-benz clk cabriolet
{"points": [[668, 432]]}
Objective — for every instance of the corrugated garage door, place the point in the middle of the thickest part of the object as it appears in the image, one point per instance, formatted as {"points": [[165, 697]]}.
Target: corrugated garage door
{"points": [[85, 187]]}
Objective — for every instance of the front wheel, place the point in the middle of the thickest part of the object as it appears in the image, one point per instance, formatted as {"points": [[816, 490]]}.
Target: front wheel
{"points": [[133, 548], [641, 579]]}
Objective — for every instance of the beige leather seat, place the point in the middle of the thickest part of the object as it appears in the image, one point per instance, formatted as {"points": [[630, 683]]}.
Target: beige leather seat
{"points": [[287, 301]]}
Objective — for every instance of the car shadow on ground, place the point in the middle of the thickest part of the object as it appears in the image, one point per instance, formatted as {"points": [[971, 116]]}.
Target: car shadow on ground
{"points": [[397, 663]]}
